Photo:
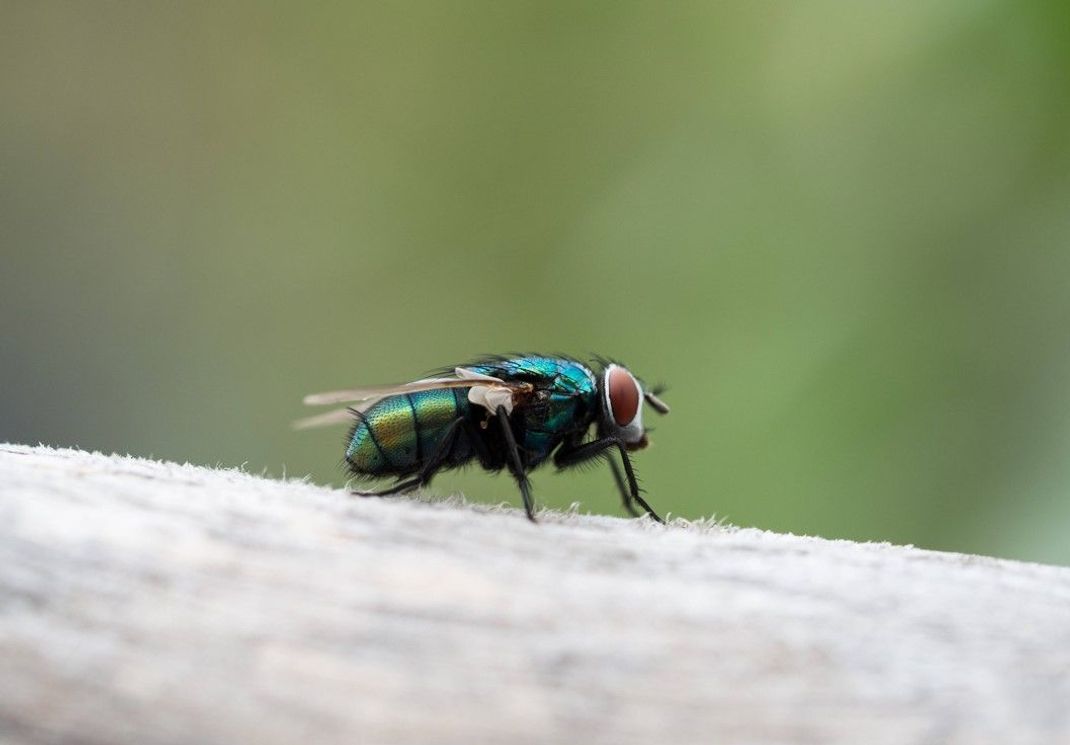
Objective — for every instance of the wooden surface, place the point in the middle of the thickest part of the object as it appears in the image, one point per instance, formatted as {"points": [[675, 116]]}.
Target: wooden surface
{"points": [[147, 602]]}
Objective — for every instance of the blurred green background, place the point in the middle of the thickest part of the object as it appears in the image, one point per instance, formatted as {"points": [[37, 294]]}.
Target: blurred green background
{"points": [[839, 232]]}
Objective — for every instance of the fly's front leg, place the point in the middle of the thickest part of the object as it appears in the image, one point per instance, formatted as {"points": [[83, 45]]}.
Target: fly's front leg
{"points": [[573, 455], [515, 464], [625, 493], [634, 485]]}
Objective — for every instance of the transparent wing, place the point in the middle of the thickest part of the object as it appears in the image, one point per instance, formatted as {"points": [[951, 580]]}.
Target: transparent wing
{"points": [[382, 391], [485, 390], [338, 416]]}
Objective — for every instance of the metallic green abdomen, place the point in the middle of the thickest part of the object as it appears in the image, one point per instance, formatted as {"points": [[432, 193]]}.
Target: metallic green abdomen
{"points": [[398, 434]]}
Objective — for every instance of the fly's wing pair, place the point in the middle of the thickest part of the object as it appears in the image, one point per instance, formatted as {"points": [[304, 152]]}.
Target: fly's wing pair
{"points": [[484, 390]]}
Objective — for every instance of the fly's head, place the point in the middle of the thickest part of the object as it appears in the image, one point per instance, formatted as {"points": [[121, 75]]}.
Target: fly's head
{"points": [[621, 400]]}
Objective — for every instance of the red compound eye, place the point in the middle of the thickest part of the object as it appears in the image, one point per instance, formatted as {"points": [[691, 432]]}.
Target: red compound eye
{"points": [[623, 396]]}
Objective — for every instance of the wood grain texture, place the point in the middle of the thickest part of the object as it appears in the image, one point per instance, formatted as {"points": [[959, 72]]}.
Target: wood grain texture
{"points": [[148, 602]]}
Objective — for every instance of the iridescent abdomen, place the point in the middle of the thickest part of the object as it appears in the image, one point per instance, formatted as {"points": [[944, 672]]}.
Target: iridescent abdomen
{"points": [[398, 434]]}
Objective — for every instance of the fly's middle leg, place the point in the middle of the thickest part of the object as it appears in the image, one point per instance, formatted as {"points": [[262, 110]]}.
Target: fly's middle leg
{"points": [[515, 464]]}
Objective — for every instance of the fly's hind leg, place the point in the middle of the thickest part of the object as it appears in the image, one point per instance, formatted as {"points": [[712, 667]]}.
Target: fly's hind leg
{"points": [[427, 471], [398, 488]]}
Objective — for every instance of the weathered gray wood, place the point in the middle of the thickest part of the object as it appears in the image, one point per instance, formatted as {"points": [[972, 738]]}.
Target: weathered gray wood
{"points": [[147, 602]]}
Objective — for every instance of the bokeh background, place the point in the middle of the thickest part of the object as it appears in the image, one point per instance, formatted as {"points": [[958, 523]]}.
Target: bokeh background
{"points": [[839, 232]]}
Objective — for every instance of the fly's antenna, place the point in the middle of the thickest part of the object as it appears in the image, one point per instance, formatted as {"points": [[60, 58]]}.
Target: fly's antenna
{"points": [[656, 403]]}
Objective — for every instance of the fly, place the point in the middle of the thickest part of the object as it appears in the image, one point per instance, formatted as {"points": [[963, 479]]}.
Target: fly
{"points": [[512, 413]]}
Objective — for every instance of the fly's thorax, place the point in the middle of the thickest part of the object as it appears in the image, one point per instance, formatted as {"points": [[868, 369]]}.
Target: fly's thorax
{"points": [[555, 412], [561, 394]]}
